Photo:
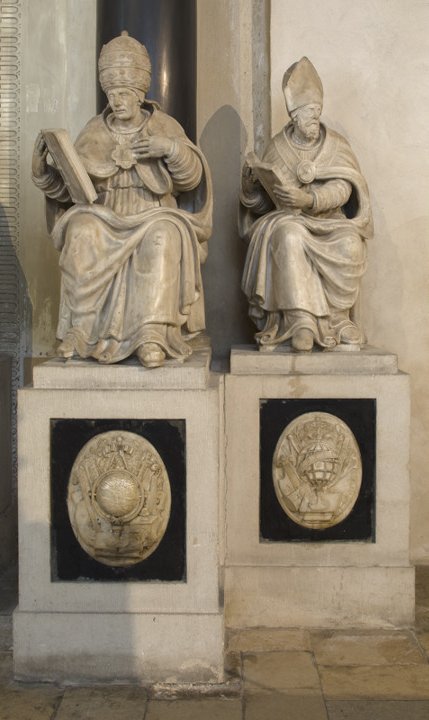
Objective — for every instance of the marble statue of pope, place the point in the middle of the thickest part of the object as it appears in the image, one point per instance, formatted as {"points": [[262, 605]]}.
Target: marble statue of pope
{"points": [[130, 262]]}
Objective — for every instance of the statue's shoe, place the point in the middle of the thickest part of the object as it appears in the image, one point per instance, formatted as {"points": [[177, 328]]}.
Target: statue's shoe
{"points": [[66, 349], [351, 335], [106, 351], [151, 355], [302, 340]]}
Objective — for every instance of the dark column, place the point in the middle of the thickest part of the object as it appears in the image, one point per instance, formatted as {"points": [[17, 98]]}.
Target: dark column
{"points": [[168, 30]]}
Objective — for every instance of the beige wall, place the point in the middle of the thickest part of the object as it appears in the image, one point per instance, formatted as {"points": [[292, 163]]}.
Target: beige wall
{"points": [[225, 127], [58, 90], [373, 58]]}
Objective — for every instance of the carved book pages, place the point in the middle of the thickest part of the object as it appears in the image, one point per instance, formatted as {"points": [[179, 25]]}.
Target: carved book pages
{"points": [[268, 175], [70, 165]]}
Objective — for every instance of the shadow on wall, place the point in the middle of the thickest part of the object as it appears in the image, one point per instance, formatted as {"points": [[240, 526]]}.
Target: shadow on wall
{"points": [[15, 333], [226, 305]]}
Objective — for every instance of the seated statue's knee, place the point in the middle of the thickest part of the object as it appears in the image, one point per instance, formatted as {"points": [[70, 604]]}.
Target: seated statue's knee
{"points": [[286, 238], [161, 239], [163, 232], [82, 228], [354, 249]]}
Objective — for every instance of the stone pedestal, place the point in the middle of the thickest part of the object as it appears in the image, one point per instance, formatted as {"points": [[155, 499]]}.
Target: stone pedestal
{"points": [[159, 620], [356, 573], [7, 504]]}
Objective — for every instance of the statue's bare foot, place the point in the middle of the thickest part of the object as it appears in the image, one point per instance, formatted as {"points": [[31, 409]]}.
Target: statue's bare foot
{"points": [[66, 349], [302, 340], [151, 355]]}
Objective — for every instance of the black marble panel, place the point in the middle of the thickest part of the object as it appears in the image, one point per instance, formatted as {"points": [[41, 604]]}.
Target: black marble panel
{"points": [[360, 416], [68, 560]]}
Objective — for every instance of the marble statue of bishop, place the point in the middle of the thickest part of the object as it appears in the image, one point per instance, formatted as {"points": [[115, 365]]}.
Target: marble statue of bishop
{"points": [[306, 215]]}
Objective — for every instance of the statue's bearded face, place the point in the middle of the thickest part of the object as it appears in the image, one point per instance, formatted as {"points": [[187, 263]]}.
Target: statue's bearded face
{"points": [[124, 102], [306, 120]]}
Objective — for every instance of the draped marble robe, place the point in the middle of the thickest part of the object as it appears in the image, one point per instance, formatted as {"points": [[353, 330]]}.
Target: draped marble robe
{"points": [[130, 262], [303, 268]]}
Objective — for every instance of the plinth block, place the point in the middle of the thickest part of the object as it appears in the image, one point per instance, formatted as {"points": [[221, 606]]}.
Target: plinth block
{"points": [[89, 374], [139, 647], [317, 508], [248, 360], [319, 596], [81, 613]]}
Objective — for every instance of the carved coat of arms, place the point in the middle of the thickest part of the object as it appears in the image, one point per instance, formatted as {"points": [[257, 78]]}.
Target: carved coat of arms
{"points": [[317, 470], [119, 498]]}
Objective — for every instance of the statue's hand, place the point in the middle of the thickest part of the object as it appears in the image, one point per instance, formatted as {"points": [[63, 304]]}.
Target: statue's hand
{"points": [[293, 196], [248, 181], [153, 147], [39, 165]]}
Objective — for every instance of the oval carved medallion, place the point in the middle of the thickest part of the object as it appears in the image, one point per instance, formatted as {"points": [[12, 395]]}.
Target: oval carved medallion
{"points": [[317, 470], [119, 498]]}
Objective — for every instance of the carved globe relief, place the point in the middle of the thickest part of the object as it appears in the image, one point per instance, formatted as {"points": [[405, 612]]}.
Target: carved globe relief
{"points": [[119, 498], [317, 470]]}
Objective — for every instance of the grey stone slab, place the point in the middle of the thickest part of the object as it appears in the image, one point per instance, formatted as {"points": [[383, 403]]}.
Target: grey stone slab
{"points": [[378, 710], [363, 648], [285, 706], [204, 709], [248, 360], [89, 374], [267, 639], [29, 703], [280, 671], [383, 682], [103, 703]]}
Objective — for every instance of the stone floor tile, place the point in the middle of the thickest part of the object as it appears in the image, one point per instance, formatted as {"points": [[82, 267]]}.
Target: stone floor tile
{"points": [[280, 671], [6, 640], [360, 648], [378, 710], [378, 681], [113, 702], [28, 703], [283, 706], [267, 639], [204, 709]]}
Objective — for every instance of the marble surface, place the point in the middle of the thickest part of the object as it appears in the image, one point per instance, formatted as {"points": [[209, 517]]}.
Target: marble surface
{"points": [[105, 630], [74, 373], [246, 359], [271, 674]]}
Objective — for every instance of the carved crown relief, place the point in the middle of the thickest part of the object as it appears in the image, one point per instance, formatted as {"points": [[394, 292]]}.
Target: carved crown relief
{"points": [[317, 470], [119, 498]]}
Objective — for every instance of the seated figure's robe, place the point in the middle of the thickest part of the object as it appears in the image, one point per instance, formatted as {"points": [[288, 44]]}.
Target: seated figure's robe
{"points": [[130, 262], [303, 268]]}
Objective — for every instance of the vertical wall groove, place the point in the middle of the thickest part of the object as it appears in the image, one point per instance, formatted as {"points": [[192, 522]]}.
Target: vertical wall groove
{"points": [[261, 11], [12, 332]]}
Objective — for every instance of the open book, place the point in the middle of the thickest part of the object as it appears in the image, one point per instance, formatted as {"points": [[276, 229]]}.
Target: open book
{"points": [[70, 166], [268, 175]]}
